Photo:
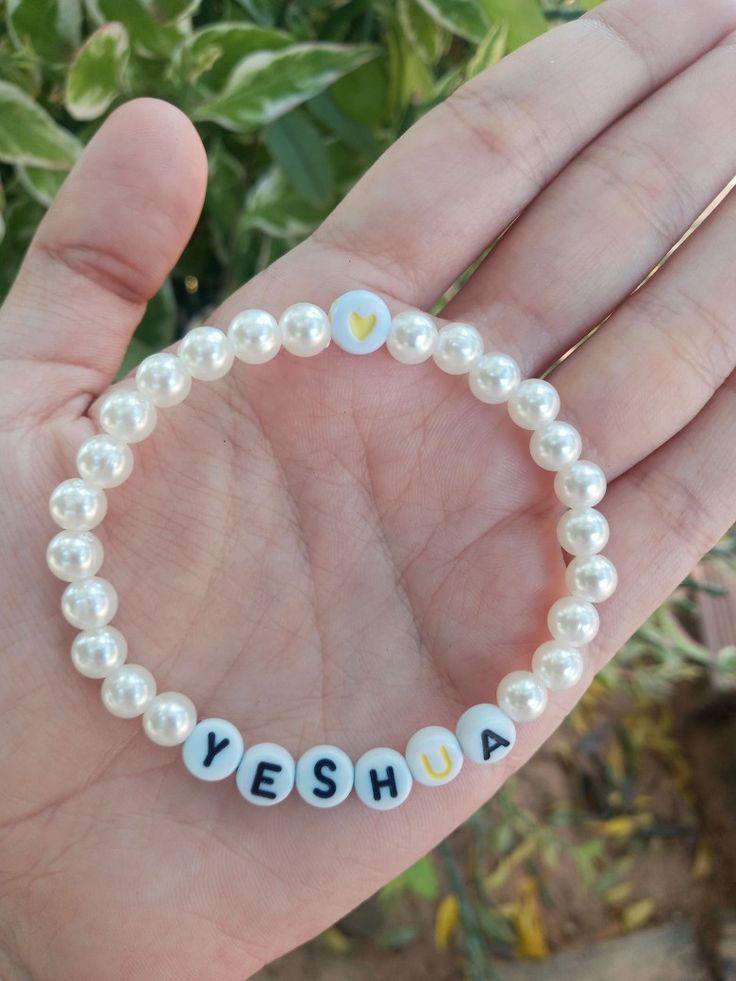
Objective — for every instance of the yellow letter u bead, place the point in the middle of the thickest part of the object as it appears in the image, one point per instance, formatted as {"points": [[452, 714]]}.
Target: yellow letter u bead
{"points": [[434, 756]]}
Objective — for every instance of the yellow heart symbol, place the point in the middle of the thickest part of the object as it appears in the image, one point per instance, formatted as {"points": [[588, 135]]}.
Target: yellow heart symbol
{"points": [[361, 326]]}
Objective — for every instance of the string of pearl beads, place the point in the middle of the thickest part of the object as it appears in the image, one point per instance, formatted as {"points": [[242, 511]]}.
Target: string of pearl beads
{"points": [[213, 749]]}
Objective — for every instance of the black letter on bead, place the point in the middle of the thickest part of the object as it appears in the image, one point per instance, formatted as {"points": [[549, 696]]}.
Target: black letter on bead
{"points": [[261, 778], [491, 746], [213, 748], [330, 785], [389, 781]]}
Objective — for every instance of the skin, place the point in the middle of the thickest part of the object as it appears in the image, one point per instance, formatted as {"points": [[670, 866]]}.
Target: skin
{"points": [[340, 550]]}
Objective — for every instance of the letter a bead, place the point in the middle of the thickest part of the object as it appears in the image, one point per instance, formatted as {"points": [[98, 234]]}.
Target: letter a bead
{"points": [[213, 750], [324, 776], [266, 774], [485, 733], [434, 756], [382, 779]]}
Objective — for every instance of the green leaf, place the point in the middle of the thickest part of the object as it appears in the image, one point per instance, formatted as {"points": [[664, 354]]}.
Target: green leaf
{"points": [[41, 184], [466, 18], [225, 197], [95, 75], [363, 95], [147, 34], [210, 54], [51, 28], [167, 11], [28, 135], [299, 148], [421, 879], [349, 131], [524, 17], [274, 207], [268, 84], [490, 51], [428, 38]]}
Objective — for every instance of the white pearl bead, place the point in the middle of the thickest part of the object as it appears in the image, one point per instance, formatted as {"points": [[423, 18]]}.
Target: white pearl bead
{"points": [[305, 329], [522, 696], [573, 621], [458, 348], [169, 718], [128, 690], [77, 505], [213, 750], [74, 555], [434, 756], [592, 578], [265, 775], [104, 461], [413, 337], [555, 445], [128, 415], [559, 667], [582, 484], [383, 779], [485, 733], [494, 377], [534, 404], [164, 378], [89, 603], [255, 336], [324, 776], [97, 653], [582, 531], [207, 353]]}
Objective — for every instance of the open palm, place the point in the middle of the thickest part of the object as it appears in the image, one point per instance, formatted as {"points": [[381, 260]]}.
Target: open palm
{"points": [[346, 549]]}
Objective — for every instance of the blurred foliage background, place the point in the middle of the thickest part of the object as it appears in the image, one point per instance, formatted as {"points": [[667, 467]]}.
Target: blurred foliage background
{"points": [[294, 99]]}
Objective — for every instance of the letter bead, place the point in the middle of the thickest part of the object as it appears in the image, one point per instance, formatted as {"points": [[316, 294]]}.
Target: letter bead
{"points": [[485, 733], [324, 776], [382, 779], [265, 775], [360, 322], [213, 750], [434, 756]]}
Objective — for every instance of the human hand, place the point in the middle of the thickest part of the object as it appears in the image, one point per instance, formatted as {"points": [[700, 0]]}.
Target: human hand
{"points": [[343, 550]]}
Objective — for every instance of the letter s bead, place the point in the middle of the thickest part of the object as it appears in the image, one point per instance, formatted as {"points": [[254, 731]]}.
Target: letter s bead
{"points": [[324, 776]]}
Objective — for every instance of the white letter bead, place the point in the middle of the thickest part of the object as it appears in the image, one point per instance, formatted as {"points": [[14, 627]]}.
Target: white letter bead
{"points": [[77, 505], [128, 690], [324, 776], [458, 348], [104, 461], [559, 667], [265, 775], [128, 415], [485, 733], [382, 779], [89, 603], [522, 696], [255, 336], [573, 621], [494, 377], [534, 404], [207, 353], [360, 322], [164, 378], [592, 578], [74, 555], [582, 484], [305, 329], [413, 337], [213, 750], [97, 653], [582, 531], [434, 756], [555, 445]]}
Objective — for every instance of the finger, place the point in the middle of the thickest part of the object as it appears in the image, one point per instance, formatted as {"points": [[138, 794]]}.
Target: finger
{"points": [[667, 513], [608, 219], [661, 357], [110, 238], [435, 200]]}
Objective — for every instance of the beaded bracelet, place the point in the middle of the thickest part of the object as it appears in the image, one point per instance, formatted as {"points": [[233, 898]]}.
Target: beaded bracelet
{"points": [[265, 773]]}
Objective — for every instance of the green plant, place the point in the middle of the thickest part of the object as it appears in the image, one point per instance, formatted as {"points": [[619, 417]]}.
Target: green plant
{"points": [[294, 99]]}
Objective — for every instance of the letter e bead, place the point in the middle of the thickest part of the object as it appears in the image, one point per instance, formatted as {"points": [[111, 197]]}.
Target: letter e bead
{"points": [[266, 774]]}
